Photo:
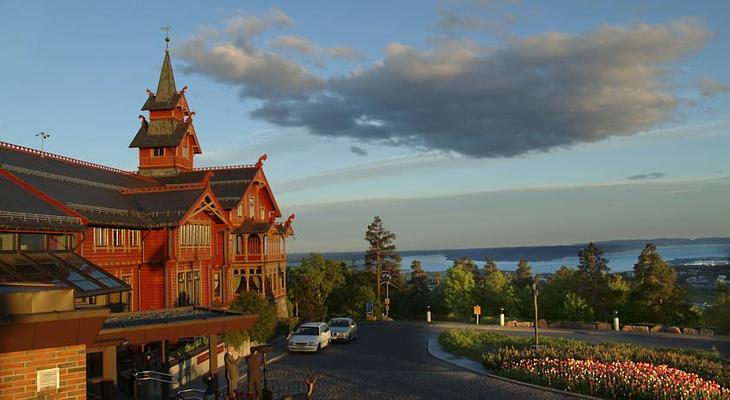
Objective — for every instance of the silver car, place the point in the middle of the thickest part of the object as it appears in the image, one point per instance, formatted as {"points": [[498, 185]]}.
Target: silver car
{"points": [[343, 329]]}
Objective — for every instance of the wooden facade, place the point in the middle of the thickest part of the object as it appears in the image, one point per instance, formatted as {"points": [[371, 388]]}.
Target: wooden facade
{"points": [[177, 234]]}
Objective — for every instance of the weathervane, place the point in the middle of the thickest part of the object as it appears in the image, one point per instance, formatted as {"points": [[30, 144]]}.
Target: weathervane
{"points": [[43, 137], [166, 29]]}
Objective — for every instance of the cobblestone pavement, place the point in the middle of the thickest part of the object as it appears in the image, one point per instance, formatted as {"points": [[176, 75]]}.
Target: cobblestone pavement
{"points": [[389, 362]]}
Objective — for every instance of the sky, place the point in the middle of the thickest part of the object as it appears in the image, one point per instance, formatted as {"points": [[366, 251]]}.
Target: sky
{"points": [[462, 123]]}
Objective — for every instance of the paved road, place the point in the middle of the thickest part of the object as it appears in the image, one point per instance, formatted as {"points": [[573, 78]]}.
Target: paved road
{"points": [[389, 361]]}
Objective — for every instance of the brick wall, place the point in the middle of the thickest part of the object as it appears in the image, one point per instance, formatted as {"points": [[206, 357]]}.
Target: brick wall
{"points": [[18, 373]]}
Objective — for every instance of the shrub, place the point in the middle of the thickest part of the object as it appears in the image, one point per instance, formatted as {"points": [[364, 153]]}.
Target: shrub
{"points": [[265, 325]]}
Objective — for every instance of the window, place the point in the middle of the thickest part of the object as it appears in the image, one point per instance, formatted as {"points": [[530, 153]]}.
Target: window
{"points": [[262, 213], [7, 241], [135, 238], [118, 237], [32, 241], [195, 235], [185, 150], [188, 288], [239, 210], [158, 151], [251, 207], [239, 244], [216, 284], [101, 237]]}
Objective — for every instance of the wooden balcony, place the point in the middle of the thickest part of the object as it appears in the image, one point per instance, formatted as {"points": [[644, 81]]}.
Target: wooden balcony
{"points": [[244, 258]]}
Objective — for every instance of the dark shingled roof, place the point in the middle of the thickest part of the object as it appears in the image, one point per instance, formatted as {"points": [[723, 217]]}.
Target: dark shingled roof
{"points": [[249, 226], [15, 157], [166, 96], [160, 133], [228, 184], [167, 207], [22, 209]]}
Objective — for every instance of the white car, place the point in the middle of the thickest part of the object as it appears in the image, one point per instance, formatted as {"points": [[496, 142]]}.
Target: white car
{"points": [[343, 329], [310, 336]]}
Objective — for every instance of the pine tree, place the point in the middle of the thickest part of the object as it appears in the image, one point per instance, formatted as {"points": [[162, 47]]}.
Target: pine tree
{"points": [[523, 275], [592, 272], [490, 267], [655, 295], [382, 256], [419, 279]]}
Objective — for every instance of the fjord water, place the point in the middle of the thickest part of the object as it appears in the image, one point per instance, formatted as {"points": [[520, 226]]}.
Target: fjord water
{"points": [[617, 261]]}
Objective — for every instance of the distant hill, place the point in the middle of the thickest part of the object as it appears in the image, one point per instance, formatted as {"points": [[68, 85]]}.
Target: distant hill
{"points": [[532, 253]]}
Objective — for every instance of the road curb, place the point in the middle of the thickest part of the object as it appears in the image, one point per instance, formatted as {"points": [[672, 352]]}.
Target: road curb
{"points": [[484, 372]]}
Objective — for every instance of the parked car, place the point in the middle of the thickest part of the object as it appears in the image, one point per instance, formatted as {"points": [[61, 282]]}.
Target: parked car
{"points": [[343, 329], [310, 336]]}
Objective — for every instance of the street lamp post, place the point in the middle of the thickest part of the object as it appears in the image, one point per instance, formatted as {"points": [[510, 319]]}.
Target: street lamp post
{"points": [[534, 300]]}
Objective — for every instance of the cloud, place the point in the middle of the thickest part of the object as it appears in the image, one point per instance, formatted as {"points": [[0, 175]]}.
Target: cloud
{"points": [[645, 177], [452, 22], [532, 94], [229, 56], [711, 87], [301, 45], [359, 151]]}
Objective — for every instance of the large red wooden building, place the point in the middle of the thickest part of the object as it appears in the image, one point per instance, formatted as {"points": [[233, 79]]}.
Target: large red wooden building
{"points": [[177, 235]]}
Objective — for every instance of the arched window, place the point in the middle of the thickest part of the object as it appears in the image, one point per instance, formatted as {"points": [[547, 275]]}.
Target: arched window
{"points": [[239, 244]]}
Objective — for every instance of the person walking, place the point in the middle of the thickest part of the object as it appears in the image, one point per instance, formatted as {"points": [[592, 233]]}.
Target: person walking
{"points": [[231, 361], [253, 371]]}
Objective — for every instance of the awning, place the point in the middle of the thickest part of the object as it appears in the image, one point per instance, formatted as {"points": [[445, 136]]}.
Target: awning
{"points": [[58, 268]]}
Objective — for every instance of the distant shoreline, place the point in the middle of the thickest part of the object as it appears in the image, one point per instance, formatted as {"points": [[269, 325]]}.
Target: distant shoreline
{"points": [[542, 253]]}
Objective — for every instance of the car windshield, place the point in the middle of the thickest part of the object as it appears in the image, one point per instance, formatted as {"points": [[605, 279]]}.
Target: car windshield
{"points": [[339, 322], [307, 330]]}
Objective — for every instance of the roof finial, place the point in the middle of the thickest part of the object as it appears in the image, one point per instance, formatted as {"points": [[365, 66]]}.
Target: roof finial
{"points": [[166, 29]]}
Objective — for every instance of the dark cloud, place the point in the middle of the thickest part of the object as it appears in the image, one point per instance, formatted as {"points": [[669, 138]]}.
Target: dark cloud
{"points": [[711, 87], [646, 177], [358, 151], [534, 93]]}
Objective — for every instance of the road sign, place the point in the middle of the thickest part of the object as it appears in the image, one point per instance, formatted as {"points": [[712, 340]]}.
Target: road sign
{"points": [[477, 310], [387, 301], [369, 308]]}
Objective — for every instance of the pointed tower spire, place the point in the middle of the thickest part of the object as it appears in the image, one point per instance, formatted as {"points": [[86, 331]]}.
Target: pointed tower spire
{"points": [[166, 87]]}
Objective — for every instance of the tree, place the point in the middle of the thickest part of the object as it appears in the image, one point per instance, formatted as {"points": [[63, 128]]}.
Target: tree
{"points": [[419, 279], [458, 290], [263, 329], [494, 292], [382, 255], [576, 308], [593, 273], [655, 295], [489, 267], [523, 275], [470, 266], [719, 313], [349, 298], [553, 293], [313, 282]]}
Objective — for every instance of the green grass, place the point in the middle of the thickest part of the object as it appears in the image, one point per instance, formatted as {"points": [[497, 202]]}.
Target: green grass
{"points": [[494, 350]]}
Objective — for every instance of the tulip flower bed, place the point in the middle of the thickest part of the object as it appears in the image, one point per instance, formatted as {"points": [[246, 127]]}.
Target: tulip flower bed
{"points": [[615, 380], [612, 370]]}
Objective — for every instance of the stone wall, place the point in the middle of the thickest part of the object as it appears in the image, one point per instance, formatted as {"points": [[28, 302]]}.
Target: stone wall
{"points": [[18, 373]]}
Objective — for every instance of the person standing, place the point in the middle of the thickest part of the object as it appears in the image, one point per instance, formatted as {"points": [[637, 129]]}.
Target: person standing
{"points": [[253, 371], [231, 361]]}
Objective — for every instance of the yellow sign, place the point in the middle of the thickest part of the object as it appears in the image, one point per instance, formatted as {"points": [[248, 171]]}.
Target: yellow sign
{"points": [[387, 301], [477, 310]]}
